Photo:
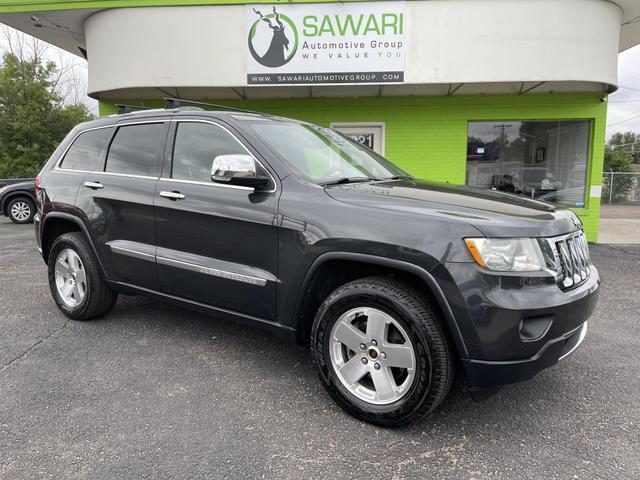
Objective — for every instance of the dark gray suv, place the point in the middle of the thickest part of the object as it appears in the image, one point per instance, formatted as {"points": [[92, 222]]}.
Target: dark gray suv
{"points": [[397, 283]]}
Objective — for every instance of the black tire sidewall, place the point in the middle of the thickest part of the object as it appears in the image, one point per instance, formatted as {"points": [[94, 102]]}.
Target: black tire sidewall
{"points": [[32, 210], [71, 242], [362, 297]]}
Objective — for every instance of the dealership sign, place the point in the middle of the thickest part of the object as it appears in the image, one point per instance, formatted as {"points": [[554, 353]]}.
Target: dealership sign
{"points": [[325, 43]]}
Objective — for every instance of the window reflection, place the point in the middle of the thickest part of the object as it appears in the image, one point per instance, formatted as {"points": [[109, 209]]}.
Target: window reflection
{"points": [[538, 159]]}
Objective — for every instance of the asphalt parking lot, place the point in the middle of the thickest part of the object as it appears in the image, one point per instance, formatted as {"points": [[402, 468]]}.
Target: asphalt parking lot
{"points": [[154, 391]]}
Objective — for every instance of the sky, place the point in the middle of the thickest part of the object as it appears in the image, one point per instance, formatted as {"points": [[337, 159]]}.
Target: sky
{"points": [[623, 112], [76, 66], [623, 107]]}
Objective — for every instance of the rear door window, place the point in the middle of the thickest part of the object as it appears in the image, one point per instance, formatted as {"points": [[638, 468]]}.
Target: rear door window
{"points": [[86, 151], [135, 150]]}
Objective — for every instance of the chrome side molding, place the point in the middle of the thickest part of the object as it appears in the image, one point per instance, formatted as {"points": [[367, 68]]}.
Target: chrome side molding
{"points": [[238, 277], [148, 252]]}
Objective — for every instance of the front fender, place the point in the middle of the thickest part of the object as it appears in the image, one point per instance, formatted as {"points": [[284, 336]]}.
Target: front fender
{"points": [[426, 277]]}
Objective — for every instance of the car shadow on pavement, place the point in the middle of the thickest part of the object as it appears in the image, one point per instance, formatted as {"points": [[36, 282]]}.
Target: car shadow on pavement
{"points": [[158, 323]]}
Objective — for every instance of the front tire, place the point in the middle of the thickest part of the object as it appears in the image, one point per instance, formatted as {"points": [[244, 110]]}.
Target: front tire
{"points": [[381, 351], [21, 210], [75, 279]]}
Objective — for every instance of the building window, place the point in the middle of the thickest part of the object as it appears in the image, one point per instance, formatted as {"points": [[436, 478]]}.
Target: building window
{"points": [[369, 134], [546, 160]]}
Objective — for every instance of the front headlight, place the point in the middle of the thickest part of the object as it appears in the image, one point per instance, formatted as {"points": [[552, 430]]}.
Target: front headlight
{"points": [[507, 254]]}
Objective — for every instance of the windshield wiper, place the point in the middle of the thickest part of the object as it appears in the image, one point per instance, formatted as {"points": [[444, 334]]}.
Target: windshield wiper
{"points": [[399, 177], [348, 180]]}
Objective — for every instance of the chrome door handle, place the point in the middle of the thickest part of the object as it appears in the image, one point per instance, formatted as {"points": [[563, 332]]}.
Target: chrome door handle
{"points": [[172, 195], [94, 185]]}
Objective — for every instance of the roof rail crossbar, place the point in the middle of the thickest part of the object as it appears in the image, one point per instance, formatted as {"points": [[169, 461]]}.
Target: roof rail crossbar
{"points": [[124, 108], [171, 103]]}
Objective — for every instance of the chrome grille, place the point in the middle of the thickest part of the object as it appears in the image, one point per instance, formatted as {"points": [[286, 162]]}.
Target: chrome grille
{"points": [[573, 258]]}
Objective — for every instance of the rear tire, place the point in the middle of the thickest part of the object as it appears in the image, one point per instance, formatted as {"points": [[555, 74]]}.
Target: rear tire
{"points": [[21, 210], [396, 331], [75, 279]]}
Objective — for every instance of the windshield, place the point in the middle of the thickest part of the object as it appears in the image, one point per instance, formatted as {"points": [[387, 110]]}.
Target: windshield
{"points": [[324, 155]]}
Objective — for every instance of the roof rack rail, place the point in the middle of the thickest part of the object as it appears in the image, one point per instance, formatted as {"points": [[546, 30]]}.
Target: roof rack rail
{"points": [[124, 108], [176, 102]]}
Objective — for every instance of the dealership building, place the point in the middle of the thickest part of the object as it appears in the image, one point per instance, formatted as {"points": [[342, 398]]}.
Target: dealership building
{"points": [[499, 94]]}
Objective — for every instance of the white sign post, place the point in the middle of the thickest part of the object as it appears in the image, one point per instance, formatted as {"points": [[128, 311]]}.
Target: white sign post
{"points": [[326, 43]]}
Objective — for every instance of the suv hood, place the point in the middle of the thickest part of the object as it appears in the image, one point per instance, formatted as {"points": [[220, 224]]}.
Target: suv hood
{"points": [[495, 214]]}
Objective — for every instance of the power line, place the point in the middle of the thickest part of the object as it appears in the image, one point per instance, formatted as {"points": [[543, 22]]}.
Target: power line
{"points": [[624, 144], [622, 117], [623, 121], [629, 88]]}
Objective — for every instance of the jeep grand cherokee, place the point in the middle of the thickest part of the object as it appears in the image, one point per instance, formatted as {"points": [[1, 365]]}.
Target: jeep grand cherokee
{"points": [[395, 282]]}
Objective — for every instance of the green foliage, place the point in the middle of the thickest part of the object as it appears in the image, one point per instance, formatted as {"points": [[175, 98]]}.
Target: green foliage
{"points": [[617, 187], [629, 141], [33, 119]]}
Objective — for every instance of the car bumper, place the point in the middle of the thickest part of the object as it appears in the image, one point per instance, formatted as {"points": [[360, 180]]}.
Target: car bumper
{"points": [[514, 327], [37, 224], [482, 374]]}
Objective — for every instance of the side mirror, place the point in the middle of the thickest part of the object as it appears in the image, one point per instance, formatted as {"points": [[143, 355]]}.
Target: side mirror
{"points": [[237, 170]]}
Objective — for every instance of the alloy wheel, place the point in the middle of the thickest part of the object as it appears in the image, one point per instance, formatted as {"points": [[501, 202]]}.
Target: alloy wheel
{"points": [[71, 278], [20, 211], [372, 355]]}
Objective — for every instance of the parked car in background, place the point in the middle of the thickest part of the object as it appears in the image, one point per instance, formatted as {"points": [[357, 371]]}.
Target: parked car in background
{"points": [[18, 201], [395, 282]]}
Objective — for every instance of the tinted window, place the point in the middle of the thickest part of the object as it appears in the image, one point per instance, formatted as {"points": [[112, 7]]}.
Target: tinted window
{"points": [[537, 159], [135, 149], [84, 153], [196, 145]]}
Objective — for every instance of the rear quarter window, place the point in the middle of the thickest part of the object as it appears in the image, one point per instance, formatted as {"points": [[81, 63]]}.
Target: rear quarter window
{"points": [[85, 153]]}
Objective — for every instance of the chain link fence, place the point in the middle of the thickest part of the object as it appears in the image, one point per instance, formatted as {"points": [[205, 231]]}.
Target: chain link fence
{"points": [[621, 188]]}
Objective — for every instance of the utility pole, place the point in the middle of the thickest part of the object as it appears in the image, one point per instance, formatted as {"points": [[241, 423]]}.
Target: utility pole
{"points": [[502, 127]]}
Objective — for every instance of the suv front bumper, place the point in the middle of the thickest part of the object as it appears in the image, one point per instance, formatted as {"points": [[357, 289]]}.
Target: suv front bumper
{"points": [[484, 374], [514, 327]]}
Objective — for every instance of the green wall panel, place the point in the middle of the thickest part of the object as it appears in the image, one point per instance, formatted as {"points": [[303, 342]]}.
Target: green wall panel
{"points": [[427, 136]]}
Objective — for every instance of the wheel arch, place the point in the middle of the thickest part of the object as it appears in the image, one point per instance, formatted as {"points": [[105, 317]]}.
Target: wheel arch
{"points": [[330, 270], [12, 196], [59, 223]]}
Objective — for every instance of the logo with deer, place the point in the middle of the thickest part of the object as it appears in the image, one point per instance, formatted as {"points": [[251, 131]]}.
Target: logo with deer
{"points": [[278, 50]]}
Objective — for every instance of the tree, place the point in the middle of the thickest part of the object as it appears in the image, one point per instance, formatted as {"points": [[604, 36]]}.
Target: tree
{"points": [[616, 187], [33, 117], [629, 141]]}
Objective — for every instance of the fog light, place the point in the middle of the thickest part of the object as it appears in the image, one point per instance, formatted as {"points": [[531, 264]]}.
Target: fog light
{"points": [[534, 328]]}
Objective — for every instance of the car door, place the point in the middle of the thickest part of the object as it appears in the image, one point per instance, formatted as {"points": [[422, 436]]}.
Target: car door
{"points": [[217, 244], [118, 202], [85, 153]]}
